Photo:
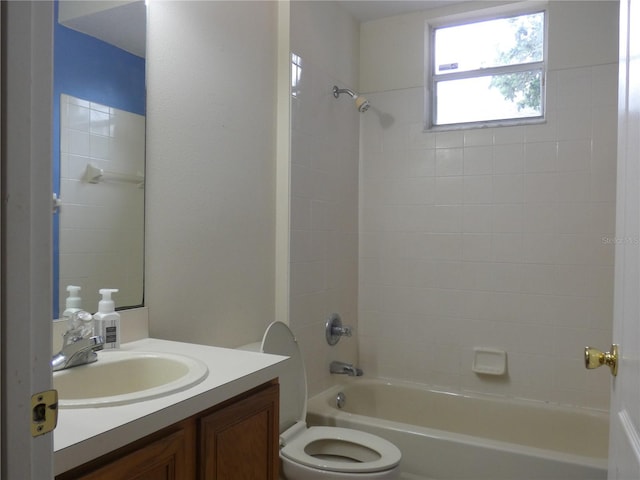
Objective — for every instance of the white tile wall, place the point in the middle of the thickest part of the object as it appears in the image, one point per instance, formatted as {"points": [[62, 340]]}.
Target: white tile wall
{"points": [[324, 185], [101, 225], [491, 238]]}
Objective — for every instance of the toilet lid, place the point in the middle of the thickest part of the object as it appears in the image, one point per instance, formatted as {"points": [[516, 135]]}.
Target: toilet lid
{"points": [[279, 340], [379, 454]]}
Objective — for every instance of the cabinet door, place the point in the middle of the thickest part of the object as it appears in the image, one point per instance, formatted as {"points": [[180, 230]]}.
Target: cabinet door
{"points": [[240, 440], [171, 457]]}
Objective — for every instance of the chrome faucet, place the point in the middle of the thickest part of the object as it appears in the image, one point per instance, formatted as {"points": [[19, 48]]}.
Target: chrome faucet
{"points": [[343, 368], [79, 345]]}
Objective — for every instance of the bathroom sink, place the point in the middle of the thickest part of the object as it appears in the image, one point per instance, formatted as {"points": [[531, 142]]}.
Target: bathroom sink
{"points": [[120, 377]]}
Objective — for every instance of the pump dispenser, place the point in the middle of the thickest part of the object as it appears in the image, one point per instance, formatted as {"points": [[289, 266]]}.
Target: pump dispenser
{"points": [[107, 320], [73, 302]]}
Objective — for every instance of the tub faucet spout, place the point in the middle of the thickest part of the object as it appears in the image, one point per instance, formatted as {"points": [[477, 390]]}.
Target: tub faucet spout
{"points": [[343, 368]]}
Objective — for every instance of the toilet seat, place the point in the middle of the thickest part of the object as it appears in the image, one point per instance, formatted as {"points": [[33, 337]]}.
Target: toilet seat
{"points": [[328, 449], [368, 453]]}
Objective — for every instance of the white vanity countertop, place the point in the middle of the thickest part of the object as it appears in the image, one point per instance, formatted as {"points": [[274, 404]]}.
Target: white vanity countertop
{"points": [[83, 434]]}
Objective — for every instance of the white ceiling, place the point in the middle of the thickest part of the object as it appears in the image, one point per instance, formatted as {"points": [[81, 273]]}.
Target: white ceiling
{"points": [[120, 23], [366, 10], [123, 23]]}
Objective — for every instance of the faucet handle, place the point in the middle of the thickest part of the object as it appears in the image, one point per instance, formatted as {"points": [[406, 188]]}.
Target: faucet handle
{"points": [[334, 329], [93, 343], [78, 318], [80, 326], [82, 315], [96, 342], [345, 331]]}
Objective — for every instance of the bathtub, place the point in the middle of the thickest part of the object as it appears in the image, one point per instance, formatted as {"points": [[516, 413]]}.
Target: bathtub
{"points": [[452, 436]]}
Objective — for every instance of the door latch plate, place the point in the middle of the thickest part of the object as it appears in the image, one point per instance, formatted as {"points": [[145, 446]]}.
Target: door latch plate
{"points": [[44, 412]]}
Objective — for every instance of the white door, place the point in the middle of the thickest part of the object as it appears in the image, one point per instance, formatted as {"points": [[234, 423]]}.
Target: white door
{"points": [[26, 234], [624, 445]]}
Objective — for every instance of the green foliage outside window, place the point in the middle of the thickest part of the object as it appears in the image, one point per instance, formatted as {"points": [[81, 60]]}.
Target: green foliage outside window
{"points": [[524, 88]]}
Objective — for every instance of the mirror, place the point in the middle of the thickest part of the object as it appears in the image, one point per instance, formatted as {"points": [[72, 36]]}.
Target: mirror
{"points": [[99, 143]]}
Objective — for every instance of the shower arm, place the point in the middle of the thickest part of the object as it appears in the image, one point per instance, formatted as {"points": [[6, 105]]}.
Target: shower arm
{"points": [[337, 91], [362, 104]]}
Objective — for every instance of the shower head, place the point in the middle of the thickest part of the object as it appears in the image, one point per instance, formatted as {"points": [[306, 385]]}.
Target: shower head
{"points": [[362, 104]]}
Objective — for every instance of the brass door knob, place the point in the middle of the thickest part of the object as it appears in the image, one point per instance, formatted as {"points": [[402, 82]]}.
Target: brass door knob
{"points": [[594, 358]]}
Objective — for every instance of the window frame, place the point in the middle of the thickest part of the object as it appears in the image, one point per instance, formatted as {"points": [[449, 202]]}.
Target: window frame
{"points": [[433, 78]]}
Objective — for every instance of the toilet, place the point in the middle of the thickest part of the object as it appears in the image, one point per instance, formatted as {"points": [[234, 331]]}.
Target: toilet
{"points": [[318, 453]]}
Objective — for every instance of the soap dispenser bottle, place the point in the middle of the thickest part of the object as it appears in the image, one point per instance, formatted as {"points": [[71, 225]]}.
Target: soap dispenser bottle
{"points": [[73, 302], [107, 320]]}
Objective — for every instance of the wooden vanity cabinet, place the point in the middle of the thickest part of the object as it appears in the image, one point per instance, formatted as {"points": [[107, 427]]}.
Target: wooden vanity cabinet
{"points": [[239, 440], [165, 455], [235, 440]]}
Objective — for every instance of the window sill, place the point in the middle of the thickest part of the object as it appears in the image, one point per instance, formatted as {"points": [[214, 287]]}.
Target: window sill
{"points": [[490, 124]]}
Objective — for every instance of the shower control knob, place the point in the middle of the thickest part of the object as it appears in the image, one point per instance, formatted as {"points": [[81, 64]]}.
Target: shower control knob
{"points": [[334, 329], [594, 358]]}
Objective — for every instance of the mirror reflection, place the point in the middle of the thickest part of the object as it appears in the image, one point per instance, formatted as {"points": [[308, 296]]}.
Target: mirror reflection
{"points": [[99, 144]]}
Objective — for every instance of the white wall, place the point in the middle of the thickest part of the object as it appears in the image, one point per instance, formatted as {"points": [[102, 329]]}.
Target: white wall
{"points": [[490, 237], [392, 49], [324, 185], [210, 170]]}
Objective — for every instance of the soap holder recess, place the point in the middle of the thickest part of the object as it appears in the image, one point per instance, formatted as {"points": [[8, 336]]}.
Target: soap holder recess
{"points": [[489, 361]]}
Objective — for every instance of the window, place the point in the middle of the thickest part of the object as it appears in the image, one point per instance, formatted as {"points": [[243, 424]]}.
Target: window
{"points": [[488, 73], [296, 74]]}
